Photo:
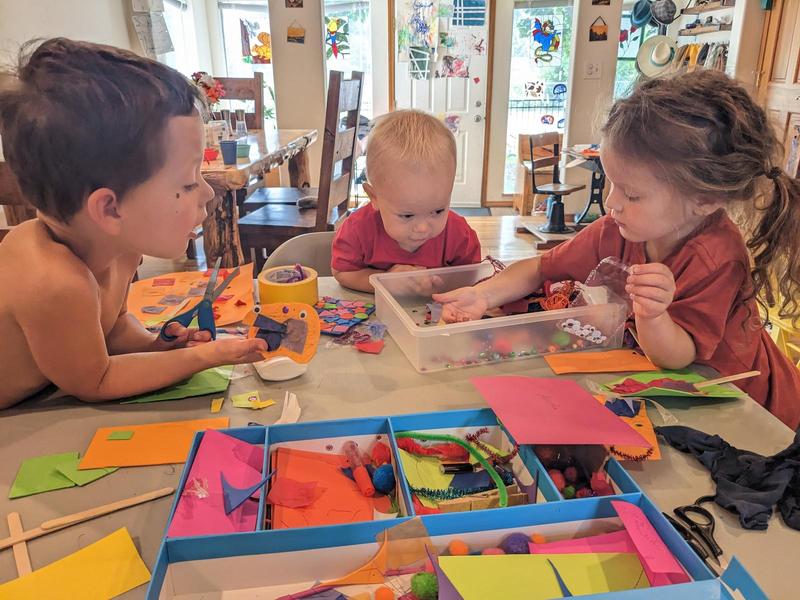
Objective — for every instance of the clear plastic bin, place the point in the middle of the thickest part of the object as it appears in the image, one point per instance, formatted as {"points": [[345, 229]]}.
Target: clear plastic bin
{"points": [[400, 300]]}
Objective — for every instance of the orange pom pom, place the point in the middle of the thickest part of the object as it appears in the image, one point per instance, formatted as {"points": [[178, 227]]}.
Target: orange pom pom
{"points": [[384, 593], [458, 548], [538, 538], [492, 551]]}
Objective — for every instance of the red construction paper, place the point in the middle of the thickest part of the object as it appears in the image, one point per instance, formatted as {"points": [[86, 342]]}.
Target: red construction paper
{"points": [[373, 347]]}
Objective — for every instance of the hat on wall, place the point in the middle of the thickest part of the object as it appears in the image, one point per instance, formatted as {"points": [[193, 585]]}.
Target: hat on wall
{"points": [[655, 55], [664, 11], [641, 13]]}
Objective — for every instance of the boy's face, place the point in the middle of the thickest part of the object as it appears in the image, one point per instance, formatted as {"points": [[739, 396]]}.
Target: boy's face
{"points": [[158, 216], [413, 201]]}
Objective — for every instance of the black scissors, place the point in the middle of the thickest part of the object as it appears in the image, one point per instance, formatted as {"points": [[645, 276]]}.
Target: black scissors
{"points": [[702, 524]]}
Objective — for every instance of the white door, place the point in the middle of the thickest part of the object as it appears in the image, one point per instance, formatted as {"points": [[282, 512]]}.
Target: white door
{"points": [[454, 86]]}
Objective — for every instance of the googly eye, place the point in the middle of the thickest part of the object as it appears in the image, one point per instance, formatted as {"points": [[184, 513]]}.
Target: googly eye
{"points": [[285, 310], [303, 314]]}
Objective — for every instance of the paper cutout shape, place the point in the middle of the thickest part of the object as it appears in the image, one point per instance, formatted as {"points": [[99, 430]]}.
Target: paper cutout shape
{"points": [[642, 424], [608, 361], [205, 514], [152, 444], [680, 386], [293, 494], [372, 347], [234, 497], [617, 541], [530, 576], [339, 500], [52, 472], [290, 329], [560, 580], [447, 591], [120, 435], [216, 405], [146, 292], [371, 572], [104, 569], [661, 567], [553, 411], [210, 381], [250, 400]]}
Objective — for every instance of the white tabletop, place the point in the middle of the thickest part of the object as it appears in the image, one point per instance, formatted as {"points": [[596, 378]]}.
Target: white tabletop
{"points": [[342, 383]]}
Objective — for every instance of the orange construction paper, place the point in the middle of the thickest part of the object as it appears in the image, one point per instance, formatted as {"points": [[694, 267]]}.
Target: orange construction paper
{"points": [[144, 293], [644, 427], [283, 312], [152, 444], [372, 572], [607, 361], [340, 500]]}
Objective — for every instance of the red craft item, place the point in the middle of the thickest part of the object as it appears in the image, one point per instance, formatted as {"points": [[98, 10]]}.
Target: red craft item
{"points": [[163, 281], [421, 509], [631, 386], [371, 347], [600, 485], [558, 479], [381, 454], [292, 494], [449, 450]]}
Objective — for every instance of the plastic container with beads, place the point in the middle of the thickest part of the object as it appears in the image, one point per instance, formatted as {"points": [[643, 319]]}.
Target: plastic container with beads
{"points": [[401, 299]]}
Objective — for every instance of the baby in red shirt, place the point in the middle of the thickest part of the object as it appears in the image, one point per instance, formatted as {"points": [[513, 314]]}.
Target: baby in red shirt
{"points": [[408, 224], [678, 152]]}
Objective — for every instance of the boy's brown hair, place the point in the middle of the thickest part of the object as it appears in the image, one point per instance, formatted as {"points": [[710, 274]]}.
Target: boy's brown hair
{"points": [[79, 116]]}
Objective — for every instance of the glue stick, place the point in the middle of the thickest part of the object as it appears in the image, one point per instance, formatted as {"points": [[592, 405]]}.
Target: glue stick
{"points": [[360, 473]]}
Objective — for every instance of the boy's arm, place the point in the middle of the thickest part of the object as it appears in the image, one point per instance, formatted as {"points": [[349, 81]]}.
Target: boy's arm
{"points": [[67, 343]]}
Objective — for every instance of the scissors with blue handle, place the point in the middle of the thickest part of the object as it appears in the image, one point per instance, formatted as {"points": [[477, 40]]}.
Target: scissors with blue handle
{"points": [[203, 310]]}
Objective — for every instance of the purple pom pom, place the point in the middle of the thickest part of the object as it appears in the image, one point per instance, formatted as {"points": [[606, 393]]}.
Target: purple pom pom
{"points": [[516, 543]]}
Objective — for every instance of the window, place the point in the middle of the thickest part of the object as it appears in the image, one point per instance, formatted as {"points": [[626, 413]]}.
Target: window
{"points": [[627, 75], [251, 16], [180, 24], [541, 41]]}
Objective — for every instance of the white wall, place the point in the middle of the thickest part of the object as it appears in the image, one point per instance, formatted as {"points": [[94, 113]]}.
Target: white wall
{"points": [[101, 21], [299, 72], [379, 22]]}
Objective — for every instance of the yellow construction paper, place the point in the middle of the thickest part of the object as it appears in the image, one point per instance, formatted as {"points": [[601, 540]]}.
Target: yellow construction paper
{"points": [[216, 405], [251, 400], [424, 472], [530, 577], [103, 570]]}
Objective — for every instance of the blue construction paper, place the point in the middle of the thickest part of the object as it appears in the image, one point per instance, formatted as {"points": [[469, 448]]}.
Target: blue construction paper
{"points": [[234, 497]]}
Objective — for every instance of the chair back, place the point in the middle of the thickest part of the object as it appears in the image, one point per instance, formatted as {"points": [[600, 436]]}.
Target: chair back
{"points": [[338, 146], [309, 249], [246, 88], [545, 148]]}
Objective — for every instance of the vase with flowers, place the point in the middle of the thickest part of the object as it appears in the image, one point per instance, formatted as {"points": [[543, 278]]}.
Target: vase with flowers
{"points": [[213, 90]]}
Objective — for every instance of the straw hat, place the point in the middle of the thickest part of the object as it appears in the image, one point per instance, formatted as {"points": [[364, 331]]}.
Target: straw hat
{"points": [[655, 55]]}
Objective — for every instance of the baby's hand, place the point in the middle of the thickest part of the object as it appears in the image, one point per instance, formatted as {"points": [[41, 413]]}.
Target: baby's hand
{"points": [[422, 285], [463, 304], [184, 337], [652, 289], [401, 268], [235, 351]]}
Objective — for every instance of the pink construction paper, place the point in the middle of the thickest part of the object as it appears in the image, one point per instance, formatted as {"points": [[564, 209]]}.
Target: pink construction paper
{"points": [[660, 566], [218, 453], [554, 411], [618, 541]]}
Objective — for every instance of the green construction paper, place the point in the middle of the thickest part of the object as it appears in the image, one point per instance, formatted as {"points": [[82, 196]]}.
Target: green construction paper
{"points": [[40, 474], [70, 470], [210, 381], [530, 577], [424, 472], [714, 391], [120, 435]]}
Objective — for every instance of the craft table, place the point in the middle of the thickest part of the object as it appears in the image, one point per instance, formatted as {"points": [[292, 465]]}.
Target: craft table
{"points": [[268, 150], [344, 383]]}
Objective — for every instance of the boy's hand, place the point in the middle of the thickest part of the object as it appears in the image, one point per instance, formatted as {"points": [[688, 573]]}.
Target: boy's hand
{"points": [[652, 289], [463, 304], [235, 351], [185, 337]]}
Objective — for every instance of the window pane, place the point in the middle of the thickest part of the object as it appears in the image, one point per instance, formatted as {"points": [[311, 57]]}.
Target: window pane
{"points": [[629, 43], [355, 40], [180, 24]]}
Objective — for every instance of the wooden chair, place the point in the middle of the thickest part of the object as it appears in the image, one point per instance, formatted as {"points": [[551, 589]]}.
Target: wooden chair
{"points": [[555, 190], [525, 201], [268, 227], [15, 207], [245, 88], [310, 250]]}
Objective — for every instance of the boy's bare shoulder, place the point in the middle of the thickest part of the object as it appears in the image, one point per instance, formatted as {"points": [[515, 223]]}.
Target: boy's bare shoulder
{"points": [[35, 267]]}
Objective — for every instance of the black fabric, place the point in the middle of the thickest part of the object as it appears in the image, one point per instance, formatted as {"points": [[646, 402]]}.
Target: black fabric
{"points": [[747, 483]]}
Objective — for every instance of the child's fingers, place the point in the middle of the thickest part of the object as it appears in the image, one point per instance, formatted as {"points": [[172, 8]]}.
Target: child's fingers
{"points": [[449, 297], [199, 336], [648, 268], [176, 330], [645, 307], [654, 279], [653, 293]]}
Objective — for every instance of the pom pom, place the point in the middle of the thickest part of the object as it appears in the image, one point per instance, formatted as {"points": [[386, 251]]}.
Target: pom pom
{"points": [[425, 586], [547, 454], [538, 538], [571, 474], [515, 543], [568, 492], [381, 454], [384, 593], [458, 548], [383, 479], [558, 479], [492, 551]]}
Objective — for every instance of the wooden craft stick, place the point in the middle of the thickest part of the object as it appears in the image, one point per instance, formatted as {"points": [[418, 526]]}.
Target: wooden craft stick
{"points": [[728, 379], [21, 557], [80, 517]]}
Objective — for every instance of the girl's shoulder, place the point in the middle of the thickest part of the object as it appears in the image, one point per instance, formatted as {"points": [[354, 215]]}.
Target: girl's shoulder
{"points": [[717, 243]]}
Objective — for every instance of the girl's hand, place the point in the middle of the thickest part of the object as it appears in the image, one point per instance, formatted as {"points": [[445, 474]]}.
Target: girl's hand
{"points": [[185, 337], [652, 289], [463, 304]]}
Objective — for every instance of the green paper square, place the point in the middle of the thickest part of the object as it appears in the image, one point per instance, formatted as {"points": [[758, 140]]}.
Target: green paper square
{"points": [[120, 435], [40, 474], [70, 470], [210, 381]]}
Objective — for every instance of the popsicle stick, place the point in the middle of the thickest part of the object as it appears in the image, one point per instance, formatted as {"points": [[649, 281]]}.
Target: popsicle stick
{"points": [[21, 557], [80, 517], [728, 379]]}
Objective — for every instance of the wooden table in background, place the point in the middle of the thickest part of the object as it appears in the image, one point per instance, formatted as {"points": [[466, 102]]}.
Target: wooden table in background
{"points": [[268, 150]]}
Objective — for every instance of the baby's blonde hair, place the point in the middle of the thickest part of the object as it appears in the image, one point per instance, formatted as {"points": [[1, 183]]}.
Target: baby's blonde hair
{"points": [[408, 136]]}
